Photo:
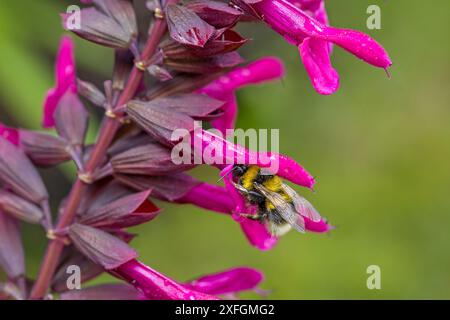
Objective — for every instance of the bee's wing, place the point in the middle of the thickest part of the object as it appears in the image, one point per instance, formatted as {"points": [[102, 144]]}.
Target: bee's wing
{"points": [[239, 187], [285, 209], [303, 206]]}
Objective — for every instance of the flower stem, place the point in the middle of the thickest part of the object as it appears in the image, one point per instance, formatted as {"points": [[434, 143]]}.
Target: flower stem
{"points": [[106, 135]]}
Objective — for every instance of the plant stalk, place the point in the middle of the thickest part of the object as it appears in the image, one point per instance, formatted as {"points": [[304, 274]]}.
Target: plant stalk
{"points": [[106, 135]]}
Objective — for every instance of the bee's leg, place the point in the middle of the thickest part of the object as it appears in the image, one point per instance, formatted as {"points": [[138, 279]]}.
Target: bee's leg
{"points": [[250, 216], [237, 198]]}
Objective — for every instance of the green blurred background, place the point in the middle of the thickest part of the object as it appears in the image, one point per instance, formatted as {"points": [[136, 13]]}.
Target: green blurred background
{"points": [[380, 150]]}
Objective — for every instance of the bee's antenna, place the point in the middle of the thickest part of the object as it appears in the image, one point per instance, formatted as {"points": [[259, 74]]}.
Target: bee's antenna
{"points": [[222, 177]]}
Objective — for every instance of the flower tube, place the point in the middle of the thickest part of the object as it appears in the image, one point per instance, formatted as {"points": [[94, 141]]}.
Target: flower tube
{"points": [[305, 25], [156, 286], [219, 152], [224, 88]]}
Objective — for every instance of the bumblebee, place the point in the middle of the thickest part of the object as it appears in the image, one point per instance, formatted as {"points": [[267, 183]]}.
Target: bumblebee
{"points": [[280, 208]]}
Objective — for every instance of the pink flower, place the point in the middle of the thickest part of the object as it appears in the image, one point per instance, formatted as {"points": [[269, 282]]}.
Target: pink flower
{"points": [[156, 286], [226, 153], [230, 281], [224, 88], [10, 134], [309, 31], [65, 80]]}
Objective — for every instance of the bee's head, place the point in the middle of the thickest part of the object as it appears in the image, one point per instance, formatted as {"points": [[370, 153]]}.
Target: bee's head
{"points": [[239, 170]]}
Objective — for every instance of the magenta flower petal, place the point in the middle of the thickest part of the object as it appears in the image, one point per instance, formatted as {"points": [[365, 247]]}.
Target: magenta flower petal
{"points": [[10, 134], [209, 197], [65, 63], [315, 55], [228, 282], [359, 44], [50, 103], [295, 25], [228, 119], [156, 286], [310, 5], [258, 235], [314, 8], [65, 80], [320, 226], [235, 154], [224, 88], [320, 14], [259, 71]]}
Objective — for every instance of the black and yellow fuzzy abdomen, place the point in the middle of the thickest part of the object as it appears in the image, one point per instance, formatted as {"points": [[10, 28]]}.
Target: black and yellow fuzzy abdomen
{"points": [[267, 213], [273, 183]]}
